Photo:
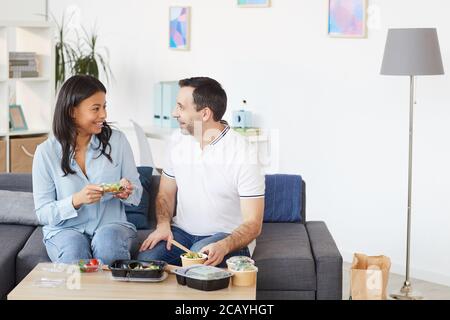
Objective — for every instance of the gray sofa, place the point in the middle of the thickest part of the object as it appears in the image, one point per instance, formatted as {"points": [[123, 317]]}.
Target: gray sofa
{"points": [[295, 260]]}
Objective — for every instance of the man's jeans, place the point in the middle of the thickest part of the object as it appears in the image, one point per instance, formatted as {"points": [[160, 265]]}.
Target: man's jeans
{"points": [[110, 242], [194, 243]]}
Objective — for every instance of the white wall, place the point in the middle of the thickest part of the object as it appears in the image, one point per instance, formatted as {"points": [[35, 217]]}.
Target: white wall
{"points": [[26, 10], [342, 126]]}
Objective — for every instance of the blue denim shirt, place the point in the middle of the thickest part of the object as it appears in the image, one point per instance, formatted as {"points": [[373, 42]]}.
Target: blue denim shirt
{"points": [[53, 192]]}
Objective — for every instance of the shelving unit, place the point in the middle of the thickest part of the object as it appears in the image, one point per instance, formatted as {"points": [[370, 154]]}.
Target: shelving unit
{"points": [[35, 95]]}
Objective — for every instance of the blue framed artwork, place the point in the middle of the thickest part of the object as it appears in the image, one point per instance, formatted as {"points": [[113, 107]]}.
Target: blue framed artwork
{"points": [[179, 28], [16, 118], [253, 3], [347, 18]]}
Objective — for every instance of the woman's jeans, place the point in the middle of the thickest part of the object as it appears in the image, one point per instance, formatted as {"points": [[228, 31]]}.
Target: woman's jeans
{"points": [[194, 243], [109, 243]]}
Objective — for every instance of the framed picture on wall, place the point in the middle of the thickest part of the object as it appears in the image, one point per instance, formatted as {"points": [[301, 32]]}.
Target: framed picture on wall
{"points": [[347, 18], [16, 118], [253, 3], [179, 28]]}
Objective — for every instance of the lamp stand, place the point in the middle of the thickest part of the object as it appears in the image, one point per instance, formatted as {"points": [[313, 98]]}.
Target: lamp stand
{"points": [[406, 292]]}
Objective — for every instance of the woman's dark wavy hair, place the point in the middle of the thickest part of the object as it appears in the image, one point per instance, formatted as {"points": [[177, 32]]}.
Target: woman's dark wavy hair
{"points": [[72, 92]]}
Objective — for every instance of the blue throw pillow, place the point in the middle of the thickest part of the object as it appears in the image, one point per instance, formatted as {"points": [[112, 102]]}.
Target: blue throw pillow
{"points": [[138, 215], [283, 198]]}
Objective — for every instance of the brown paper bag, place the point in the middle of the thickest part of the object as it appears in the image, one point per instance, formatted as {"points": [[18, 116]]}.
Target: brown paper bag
{"points": [[369, 277]]}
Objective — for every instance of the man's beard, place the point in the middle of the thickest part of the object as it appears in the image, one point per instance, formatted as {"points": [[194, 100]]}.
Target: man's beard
{"points": [[193, 128], [188, 129]]}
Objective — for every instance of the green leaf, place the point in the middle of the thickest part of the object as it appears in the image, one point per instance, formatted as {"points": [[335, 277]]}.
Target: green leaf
{"points": [[82, 57]]}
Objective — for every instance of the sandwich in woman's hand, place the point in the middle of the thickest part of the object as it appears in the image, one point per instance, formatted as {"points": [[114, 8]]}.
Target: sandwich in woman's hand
{"points": [[112, 187]]}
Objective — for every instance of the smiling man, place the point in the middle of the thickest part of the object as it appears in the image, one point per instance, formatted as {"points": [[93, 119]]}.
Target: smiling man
{"points": [[214, 175]]}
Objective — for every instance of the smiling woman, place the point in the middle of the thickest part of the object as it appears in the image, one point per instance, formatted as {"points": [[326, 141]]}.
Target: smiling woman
{"points": [[80, 219], [80, 112]]}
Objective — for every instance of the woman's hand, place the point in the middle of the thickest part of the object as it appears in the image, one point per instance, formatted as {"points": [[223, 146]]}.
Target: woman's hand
{"points": [[89, 194], [128, 189]]}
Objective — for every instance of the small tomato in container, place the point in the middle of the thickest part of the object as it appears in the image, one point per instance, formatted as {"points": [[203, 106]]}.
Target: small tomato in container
{"points": [[89, 265]]}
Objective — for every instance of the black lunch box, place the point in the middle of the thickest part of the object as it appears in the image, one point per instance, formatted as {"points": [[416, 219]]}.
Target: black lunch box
{"points": [[186, 276], [125, 269]]}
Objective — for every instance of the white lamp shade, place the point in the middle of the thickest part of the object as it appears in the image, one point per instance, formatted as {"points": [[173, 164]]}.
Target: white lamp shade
{"points": [[412, 52]]}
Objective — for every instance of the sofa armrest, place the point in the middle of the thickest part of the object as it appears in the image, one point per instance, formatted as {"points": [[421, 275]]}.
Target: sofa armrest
{"points": [[328, 261]]}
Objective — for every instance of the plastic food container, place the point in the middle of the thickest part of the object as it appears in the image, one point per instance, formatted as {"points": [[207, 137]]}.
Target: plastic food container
{"points": [[89, 265], [206, 278], [130, 270], [244, 274], [237, 260], [185, 262]]}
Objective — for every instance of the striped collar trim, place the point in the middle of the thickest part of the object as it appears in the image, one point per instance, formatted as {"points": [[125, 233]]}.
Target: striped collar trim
{"points": [[222, 134]]}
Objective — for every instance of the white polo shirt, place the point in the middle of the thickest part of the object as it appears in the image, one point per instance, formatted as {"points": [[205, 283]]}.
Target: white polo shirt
{"points": [[212, 181]]}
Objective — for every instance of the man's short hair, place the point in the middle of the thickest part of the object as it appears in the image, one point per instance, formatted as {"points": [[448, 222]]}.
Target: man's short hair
{"points": [[207, 93]]}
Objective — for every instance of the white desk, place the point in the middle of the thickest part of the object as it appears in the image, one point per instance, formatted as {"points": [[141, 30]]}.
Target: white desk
{"points": [[157, 132], [159, 137], [164, 133]]}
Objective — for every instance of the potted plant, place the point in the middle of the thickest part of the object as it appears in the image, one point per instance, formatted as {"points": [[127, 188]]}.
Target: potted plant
{"points": [[90, 58], [83, 58], [64, 51]]}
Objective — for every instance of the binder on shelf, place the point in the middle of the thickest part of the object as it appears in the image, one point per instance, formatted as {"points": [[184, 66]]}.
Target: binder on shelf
{"points": [[157, 108], [165, 102], [170, 92]]}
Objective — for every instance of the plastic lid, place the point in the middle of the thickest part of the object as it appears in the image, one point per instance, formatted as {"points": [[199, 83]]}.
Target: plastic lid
{"points": [[202, 272], [240, 259]]}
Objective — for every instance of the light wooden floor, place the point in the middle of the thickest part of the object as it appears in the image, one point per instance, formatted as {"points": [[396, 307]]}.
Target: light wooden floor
{"points": [[429, 290]]}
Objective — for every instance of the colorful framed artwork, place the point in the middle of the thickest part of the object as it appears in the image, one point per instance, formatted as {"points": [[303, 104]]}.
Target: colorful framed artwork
{"points": [[179, 29], [347, 18], [253, 3], [16, 118]]}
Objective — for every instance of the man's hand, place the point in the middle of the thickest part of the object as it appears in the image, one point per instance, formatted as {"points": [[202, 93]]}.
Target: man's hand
{"points": [[162, 232], [128, 189], [216, 252]]}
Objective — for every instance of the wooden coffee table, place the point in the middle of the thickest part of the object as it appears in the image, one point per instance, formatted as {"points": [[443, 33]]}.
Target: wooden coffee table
{"points": [[100, 286]]}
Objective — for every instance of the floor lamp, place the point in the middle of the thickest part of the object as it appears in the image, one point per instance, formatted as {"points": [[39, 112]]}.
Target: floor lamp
{"points": [[411, 52]]}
